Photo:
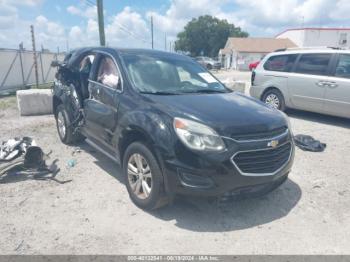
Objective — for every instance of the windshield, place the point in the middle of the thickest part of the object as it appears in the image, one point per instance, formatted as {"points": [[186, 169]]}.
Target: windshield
{"points": [[168, 75]]}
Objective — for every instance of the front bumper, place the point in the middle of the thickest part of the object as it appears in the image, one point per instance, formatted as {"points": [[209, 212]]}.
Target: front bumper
{"points": [[211, 174]]}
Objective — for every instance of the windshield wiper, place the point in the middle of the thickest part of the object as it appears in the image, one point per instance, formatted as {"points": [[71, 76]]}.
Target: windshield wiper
{"points": [[159, 93], [209, 91]]}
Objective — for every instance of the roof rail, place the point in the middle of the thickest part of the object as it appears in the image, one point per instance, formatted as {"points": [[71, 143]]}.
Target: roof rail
{"points": [[309, 47]]}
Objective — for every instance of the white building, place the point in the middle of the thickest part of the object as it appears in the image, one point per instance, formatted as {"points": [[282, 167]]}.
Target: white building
{"points": [[332, 37], [238, 53]]}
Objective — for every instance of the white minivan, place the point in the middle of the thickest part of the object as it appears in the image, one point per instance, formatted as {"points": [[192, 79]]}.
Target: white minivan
{"points": [[315, 80]]}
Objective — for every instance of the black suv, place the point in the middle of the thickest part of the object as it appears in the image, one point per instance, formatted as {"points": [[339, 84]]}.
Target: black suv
{"points": [[173, 127]]}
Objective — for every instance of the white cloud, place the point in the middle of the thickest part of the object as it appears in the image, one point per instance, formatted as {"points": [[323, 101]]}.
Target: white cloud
{"points": [[87, 12], [130, 28], [341, 10]]}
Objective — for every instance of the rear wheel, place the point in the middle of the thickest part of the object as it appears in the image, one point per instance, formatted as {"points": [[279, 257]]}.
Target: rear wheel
{"points": [[274, 99], [209, 67], [144, 179], [65, 129]]}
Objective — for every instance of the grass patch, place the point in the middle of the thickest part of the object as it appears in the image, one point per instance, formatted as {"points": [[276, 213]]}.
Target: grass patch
{"points": [[42, 86], [8, 102]]}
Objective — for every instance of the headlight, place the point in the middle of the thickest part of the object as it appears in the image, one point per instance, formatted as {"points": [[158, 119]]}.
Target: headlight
{"points": [[288, 122], [198, 136]]}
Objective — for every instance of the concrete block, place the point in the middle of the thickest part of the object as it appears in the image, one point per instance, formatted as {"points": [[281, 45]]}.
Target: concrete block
{"points": [[238, 86], [34, 102]]}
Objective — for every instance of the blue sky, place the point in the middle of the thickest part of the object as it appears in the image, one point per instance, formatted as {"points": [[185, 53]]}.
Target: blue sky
{"points": [[58, 22]]}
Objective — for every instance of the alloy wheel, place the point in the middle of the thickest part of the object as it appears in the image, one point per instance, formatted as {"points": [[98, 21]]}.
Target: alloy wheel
{"points": [[272, 101], [139, 176], [61, 124]]}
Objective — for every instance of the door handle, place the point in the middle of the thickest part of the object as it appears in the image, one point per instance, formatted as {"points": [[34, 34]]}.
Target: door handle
{"points": [[321, 83], [332, 84]]}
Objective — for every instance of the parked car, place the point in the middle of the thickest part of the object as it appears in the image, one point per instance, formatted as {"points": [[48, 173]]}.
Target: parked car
{"points": [[316, 80], [253, 65], [208, 62], [172, 126]]}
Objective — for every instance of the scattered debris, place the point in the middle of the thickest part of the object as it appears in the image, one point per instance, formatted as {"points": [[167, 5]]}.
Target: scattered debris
{"points": [[76, 150], [19, 246], [71, 163], [308, 143], [27, 160]]}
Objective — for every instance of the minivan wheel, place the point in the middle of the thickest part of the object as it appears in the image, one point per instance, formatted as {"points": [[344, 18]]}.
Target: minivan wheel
{"points": [[143, 177], [274, 99], [64, 128]]}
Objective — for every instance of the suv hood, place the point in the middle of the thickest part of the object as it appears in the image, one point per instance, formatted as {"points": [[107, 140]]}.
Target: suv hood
{"points": [[229, 113]]}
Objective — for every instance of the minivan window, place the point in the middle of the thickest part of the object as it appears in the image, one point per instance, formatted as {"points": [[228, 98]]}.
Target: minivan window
{"points": [[343, 67], [281, 63], [313, 64]]}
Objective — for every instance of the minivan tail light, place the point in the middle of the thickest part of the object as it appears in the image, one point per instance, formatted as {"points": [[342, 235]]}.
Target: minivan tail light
{"points": [[253, 77]]}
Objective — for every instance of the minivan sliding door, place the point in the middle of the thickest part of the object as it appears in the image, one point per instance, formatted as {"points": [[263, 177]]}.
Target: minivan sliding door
{"points": [[307, 84]]}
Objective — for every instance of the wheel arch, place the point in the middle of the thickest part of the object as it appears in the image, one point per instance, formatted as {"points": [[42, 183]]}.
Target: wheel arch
{"points": [[56, 101]]}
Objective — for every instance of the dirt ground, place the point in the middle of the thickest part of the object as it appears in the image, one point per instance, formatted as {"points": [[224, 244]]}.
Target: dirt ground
{"points": [[92, 214]]}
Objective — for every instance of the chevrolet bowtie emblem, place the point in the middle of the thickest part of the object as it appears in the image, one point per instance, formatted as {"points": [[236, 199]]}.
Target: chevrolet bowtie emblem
{"points": [[273, 143]]}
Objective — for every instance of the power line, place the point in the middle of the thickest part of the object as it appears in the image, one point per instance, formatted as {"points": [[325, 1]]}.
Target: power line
{"points": [[89, 3], [128, 31]]}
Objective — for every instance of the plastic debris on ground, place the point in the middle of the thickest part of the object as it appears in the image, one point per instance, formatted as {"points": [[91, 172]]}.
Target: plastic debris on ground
{"points": [[21, 156], [308, 143]]}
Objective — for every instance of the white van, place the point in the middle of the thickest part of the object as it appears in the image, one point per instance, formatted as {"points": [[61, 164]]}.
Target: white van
{"points": [[315, 80]]}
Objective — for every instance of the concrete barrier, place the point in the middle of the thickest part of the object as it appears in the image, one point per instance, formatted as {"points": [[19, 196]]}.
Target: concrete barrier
{"points": [[34, 102], [238, 86]]}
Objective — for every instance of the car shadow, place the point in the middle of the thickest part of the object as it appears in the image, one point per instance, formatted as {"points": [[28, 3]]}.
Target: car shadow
{"points": [[210, 215], [105, 163], [319, 118]]}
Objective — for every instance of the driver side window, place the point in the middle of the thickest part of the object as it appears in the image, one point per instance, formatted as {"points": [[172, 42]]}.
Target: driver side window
{"points": [[108, 74]]}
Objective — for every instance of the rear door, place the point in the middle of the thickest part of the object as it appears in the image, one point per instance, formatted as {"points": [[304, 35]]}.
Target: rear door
{"points": [[105, 88], [307, 84], [337, 100]]}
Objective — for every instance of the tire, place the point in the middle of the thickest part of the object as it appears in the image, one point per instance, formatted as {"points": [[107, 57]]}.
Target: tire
{"points": [[209, 67], [274, 99], [64, 128], [153, 179]]}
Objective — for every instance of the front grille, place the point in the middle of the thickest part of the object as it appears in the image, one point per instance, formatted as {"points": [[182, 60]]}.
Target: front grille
{"points": [[263, 161], [261, 135]]}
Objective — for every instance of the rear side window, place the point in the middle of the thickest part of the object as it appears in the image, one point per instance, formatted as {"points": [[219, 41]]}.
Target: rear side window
{"points": [[343, 67], [313, 64], [281, 63]]}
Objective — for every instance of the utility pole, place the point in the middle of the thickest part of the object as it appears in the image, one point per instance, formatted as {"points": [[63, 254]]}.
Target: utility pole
{"points": [[165, 43], [170, 46], [34, 57], [101, 26], [152, 30]]}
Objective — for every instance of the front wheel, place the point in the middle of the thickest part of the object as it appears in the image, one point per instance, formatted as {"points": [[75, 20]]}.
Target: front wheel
{"points": [[65, 129], [144, 179], [274, 99]]}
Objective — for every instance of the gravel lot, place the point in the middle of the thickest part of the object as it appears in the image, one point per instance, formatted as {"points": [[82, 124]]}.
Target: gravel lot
{"points": [[309, 214]]}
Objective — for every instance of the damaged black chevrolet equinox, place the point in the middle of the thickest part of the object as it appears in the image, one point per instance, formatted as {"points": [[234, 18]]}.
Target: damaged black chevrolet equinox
{"points": [[172, 126]]}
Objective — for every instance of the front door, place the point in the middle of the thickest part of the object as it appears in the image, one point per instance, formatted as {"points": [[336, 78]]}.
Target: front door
{"points": [[102, 106], [307, 84], [337, 100]]}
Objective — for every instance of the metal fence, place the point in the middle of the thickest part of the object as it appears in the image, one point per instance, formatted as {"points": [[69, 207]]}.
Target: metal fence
{"points": [[17, 68]]}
